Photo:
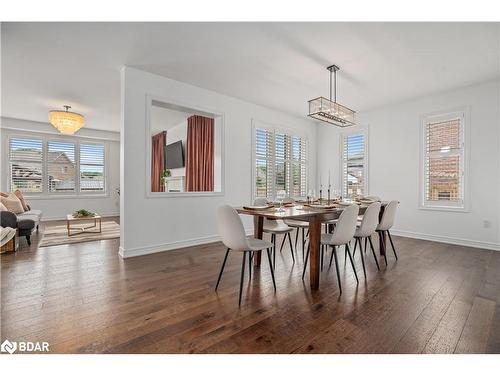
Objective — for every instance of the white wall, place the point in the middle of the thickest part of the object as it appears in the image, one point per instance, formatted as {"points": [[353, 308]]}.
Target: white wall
{"points": [[58, 207], [151, 224], [394, 147]]}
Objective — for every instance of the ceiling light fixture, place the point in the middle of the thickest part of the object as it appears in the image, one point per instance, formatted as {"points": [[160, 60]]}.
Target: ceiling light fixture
{"points": [[330, 111], [66, 122]]}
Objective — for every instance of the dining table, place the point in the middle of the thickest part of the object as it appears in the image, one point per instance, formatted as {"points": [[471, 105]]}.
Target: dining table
{"points": [[315, 217]]}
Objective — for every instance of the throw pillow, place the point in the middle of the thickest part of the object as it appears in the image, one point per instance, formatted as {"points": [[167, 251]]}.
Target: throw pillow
{"points": [[3, 208], [19, 194], [2, 194], [12, 203]]}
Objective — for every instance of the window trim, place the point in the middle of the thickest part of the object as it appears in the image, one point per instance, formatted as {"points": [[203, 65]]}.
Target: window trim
{"points": [[365, 132], [45, 138], [464, 114], [258, 124]]}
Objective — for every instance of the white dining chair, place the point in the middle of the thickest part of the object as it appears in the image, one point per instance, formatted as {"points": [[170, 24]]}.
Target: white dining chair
{"points": [[342, 234], [386, 223], [365, 229], [234, 238], [275, 227]]}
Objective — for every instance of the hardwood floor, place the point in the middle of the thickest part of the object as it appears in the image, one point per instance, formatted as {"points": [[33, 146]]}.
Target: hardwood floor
{"points": [[84, 298]]}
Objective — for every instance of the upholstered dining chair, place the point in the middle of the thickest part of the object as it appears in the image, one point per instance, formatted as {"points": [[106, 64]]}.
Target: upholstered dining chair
{"points": [[365, 229], [386, 223], [234, 238], [342, 234], [275, 227]]}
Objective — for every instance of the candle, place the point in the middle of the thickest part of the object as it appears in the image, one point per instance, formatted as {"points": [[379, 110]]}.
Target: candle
{"points": [[329, 179]]}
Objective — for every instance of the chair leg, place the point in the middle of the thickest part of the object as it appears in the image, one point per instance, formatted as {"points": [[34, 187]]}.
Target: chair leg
{"points": [[282, 242], [242, 275], [250, 257], [381, 235], [373, 252], [362, 255], [352, 262], [322, 248], [271, 268], [296, 237], [222, 269], [37, 228], [392, 245], [303, 242], [28, 239], [355, 245], [305, 262], [291, 247], [274, 250], [366, 239], [331, 258], [334, 250]]}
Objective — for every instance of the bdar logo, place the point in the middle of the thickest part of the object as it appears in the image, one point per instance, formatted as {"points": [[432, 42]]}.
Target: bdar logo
{"points": [[9, 347]]}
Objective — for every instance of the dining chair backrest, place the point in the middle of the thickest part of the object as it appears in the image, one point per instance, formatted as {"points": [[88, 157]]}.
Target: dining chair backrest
{"points": [[388, 216], [370, 220], [231, 228], [346, 225]]}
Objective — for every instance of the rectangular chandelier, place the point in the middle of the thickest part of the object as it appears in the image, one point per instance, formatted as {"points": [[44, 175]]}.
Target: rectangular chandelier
{"points": [[325, 110], [328, 110]]}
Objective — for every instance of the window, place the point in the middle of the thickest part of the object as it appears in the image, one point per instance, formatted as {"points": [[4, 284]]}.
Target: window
{"points": [[26, 165], [61, 166], [280, 164], [353, 164], [443, 161], [56, 166], [91, 167]]}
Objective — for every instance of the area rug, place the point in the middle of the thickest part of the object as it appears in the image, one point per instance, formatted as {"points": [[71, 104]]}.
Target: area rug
{"points": [[58, 234]]}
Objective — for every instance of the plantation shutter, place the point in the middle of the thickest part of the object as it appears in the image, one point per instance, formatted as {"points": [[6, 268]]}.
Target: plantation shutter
{"points": [[61, 167], [443, 162], [281, 164], [299, 167], [91, 167], [353, 168], [264, 155], [26, 164]]}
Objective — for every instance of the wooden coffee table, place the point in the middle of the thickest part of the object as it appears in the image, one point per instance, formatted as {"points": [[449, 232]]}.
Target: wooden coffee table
{"points": [[88, 229]]}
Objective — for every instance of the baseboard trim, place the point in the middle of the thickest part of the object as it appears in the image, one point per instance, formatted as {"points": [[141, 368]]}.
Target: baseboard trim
{"points": [[54, 218], [176, 245], [447, 239]]}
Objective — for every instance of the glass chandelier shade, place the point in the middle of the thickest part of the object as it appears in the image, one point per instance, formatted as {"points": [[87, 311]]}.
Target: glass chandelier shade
{"points": [[328, 110], [65, 121]]}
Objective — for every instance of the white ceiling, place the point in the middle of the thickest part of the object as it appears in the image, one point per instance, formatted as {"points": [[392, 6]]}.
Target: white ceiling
{"points": [[163, 119], [279, 65]]}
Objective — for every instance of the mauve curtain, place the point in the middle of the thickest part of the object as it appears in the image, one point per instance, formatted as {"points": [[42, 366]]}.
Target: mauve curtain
{"points": [[158, 161], [200, 154]]}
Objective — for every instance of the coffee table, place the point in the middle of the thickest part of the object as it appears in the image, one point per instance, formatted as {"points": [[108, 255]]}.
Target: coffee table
{"points": [[79, 230]]}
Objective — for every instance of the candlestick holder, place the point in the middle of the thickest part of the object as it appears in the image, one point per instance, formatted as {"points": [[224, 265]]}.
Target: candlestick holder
{"points": [[328, 196], [320, 195]]}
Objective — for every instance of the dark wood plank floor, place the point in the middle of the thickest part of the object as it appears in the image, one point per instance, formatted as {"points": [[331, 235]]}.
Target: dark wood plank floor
{"points": [[84, 298]]}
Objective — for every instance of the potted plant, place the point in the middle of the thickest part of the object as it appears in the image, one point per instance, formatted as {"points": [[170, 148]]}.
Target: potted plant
{"points": [[83, 213]]}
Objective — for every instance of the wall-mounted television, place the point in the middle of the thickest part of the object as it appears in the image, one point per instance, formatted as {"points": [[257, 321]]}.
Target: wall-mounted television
{"points": [[174, 155]]}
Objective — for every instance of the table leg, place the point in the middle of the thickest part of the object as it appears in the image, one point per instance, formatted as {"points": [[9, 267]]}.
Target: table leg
{"points": [[258, 227], [314, 242], [67, 226]]}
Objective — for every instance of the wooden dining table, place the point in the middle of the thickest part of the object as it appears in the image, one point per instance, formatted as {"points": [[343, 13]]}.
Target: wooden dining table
{"points": [[315, 216]]}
